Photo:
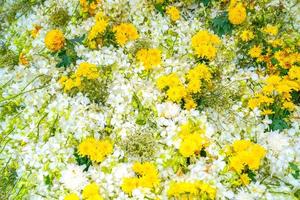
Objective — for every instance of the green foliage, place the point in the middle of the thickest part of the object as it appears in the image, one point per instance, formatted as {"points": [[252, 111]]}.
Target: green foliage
{"points": [[82, 160], [295, 170], [8, 58], [221, 25], [139, 146], [68, 55], [109, 38], [8, 180], [144, 113]]}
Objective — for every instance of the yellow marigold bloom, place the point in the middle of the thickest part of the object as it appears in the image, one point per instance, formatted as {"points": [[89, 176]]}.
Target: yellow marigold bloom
{"points": [[148, 177], [247, 35], [255, 51], [189, 103], [294, 73], [55, 40], [129, 184], [271, 30], [176, 93], [87, 70], [149, 57], [237, 14], [191, 190], [125, 32], [288, 105], [91, 191], [72, 196], [173, 13], [191, 144], [246, 153], [23, 60], [96, 150], [204, 44]]}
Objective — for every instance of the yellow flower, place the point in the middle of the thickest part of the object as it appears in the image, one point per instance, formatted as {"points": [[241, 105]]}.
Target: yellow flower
{"points": [[237, 14], [191, 190], [72, 196], [91, 191], [204, 44], [129, 184], [189, 103], [125, 32], [247, 35], [55, 40], [173, 13], [149, 57], [96, 150], [255, 51], [148, 177], [176, 93], [87, 70], [271, 30], [23, 60], [246, 153]]}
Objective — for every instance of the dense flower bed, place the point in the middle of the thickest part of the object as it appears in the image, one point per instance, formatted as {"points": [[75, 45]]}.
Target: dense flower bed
{"points": [[150, 99]]}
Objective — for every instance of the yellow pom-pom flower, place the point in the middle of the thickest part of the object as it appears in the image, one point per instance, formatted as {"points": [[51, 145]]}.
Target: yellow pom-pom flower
{"points": [[91, 192], [150, 58], [55, 40], [173, 13], [204, 44], [125, 32], [96, 150], [237, 14], [72, 196]]}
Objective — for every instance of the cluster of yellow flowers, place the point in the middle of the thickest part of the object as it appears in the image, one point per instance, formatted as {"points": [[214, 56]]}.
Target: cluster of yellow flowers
{"points": [[204, 44], [244, 154], [125, 32], [176, 90], [55, 40], [277, 90], [191, 190], [96, 150], [84, 71], [236, 13], [90, 192], [193, 139], [89, 6], [147, 177], [94, 35], [287, 58], [173, 13], [150, 58]]}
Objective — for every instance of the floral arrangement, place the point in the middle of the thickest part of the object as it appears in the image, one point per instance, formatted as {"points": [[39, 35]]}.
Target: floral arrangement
{"points": [[150, 99]]}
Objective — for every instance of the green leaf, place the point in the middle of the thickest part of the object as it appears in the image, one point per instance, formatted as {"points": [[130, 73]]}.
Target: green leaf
{"points": [[82, 160], [296, 170], [221, 25], [78, 40], [278, 124]]}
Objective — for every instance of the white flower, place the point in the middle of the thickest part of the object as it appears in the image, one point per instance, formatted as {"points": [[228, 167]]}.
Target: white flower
{"points": [[73, 178], [277, 141]]}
